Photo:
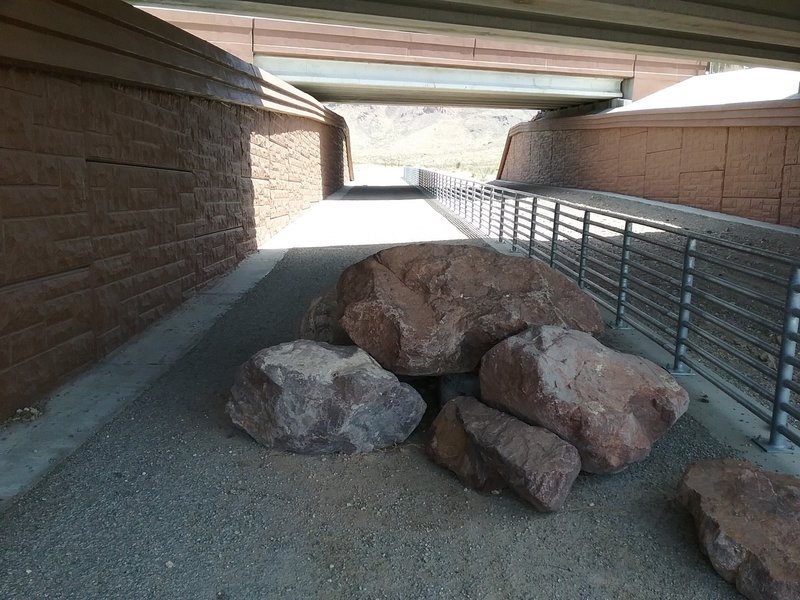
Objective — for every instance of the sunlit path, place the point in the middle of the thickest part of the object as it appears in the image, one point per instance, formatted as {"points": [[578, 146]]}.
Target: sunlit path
{"points": [[377, 208]]}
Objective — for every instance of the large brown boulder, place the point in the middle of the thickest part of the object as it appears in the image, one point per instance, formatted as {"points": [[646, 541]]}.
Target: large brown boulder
{"points": [[315, 398], [488, 449], [611, 406], [430, 309], [748, 523]]}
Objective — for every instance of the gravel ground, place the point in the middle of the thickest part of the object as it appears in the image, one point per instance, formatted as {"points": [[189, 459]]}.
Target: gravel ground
{"points": [[169, 500]]}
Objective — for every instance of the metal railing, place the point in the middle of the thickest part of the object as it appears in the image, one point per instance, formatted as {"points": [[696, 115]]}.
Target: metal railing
{"points": [[725, 311]]}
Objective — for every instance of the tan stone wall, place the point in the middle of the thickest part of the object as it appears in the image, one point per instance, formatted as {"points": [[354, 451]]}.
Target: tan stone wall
{"points": [[745, 163], [117, 203]]}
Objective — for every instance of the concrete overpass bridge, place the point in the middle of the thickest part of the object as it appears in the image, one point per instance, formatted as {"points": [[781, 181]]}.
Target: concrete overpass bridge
{"points": [[336, 63]]}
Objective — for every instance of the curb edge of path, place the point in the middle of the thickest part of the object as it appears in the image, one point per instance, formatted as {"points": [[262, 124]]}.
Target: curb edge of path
{"points": [[80, 407]]}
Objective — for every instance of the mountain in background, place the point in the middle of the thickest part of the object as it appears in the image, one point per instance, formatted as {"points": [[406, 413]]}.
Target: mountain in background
{"points": [[469, 141]]}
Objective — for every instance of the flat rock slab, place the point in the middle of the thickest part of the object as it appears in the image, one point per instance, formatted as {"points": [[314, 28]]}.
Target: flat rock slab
{"points": [[611, 406], [488, 449], [315, 398], [431, 309], [748, 523]]}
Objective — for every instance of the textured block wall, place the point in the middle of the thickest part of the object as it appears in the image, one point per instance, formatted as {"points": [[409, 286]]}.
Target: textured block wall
{"points": [[748, 171], [117, 203]]}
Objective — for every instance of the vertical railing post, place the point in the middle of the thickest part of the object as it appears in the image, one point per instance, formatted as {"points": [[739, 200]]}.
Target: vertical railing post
{"points": [[501, 229], [587, 219], [491, 214], [462, 203], [465, 197], [687, 280], [476, 202], [554, 241], [785, 373], [532, 238], [515, 226], [451, 193], [480, 209], [622, 286], [471, 195]]}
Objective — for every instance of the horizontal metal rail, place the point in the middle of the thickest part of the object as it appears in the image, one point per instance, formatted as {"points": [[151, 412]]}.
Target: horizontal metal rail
{"points": [[687, 292]]}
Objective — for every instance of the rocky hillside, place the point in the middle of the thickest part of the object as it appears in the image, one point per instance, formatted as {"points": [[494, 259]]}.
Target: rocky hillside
{"points": [[465, 140]]}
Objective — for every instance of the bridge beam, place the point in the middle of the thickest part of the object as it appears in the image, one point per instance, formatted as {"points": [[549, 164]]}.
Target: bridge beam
{"points": [[352, 81], [746, 31]]}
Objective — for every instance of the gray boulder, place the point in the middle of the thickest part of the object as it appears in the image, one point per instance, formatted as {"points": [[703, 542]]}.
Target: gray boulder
{"points": [[315, 398]]}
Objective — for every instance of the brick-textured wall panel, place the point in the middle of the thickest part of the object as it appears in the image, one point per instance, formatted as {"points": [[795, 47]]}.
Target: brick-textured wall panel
{"points": [[790, 196], [632, 152], [117, 203], [701, 189], [762, 209], [793, 146], [660, 139], [703, 149], [754, 162], [632, 185], [662, 174], [745, 171], [518, 155]]}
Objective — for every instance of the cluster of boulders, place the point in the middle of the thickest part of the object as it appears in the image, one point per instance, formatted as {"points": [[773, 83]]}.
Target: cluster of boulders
{"points": [[551, 400], [529, 397]]}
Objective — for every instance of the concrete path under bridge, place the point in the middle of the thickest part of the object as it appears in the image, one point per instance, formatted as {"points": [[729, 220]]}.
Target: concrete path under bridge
{"points": [[168, 500]]}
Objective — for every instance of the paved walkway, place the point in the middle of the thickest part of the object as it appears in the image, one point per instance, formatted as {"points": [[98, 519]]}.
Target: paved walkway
{"points": [[169, 500]]}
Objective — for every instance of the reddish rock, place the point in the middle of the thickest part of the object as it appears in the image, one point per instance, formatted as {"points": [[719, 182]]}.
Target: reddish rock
{"points": [[488, 449], [611, 406], [315, 398], [430, 309], [321, 321], [748, 523], [450, 446]]}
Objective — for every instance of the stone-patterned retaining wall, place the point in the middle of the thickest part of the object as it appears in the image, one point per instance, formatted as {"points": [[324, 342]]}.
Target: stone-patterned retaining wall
{"points": [[131, 175], [741, 160]]}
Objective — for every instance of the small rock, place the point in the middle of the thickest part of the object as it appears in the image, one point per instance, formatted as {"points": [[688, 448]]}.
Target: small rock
{"points": [[748, 523], [26, 414], [321, 321]]}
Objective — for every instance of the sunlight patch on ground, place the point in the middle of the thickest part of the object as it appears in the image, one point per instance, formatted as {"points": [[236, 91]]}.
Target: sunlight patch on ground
{"points": [[364, 222]]}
